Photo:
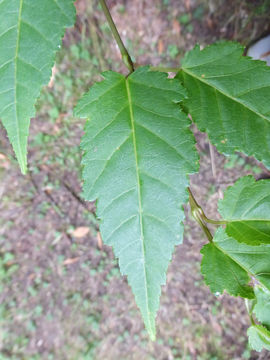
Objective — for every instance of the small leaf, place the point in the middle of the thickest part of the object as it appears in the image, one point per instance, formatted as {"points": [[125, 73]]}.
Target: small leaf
{"points": [[138, 150], [81, 231], [30, 34], [246, 207], [221, 273], [262, 307], [253, 260], [229, 98], [71, 261], [99, 241], [258, 337]]}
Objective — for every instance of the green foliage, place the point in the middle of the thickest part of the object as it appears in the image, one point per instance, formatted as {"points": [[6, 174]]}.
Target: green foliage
{"points": [[259, 334], [259, 337], [30, 34], [137, 152], [228, 98], [229, 265], [221, 272], [253, 259], [262, 306], [246, 208]]}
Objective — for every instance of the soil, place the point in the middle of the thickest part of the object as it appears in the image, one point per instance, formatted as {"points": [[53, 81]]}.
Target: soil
{"points": [[61, 293]]}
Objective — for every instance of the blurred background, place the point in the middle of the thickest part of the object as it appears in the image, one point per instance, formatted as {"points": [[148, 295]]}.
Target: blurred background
{"points": [[61, 293]]}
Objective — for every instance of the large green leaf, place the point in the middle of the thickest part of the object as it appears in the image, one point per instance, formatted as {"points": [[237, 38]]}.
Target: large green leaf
{"points": [[246, 207], [137, 151], [30, 34], [229, 98], [229, 265]]}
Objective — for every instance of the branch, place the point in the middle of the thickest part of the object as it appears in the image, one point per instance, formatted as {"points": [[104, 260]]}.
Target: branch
{"points": [[196, 207], [249, 310], [197, 214], [125, 55]]}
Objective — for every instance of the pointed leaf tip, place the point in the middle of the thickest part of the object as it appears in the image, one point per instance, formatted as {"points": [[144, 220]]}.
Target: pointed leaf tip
{"points": [[23, 167]]}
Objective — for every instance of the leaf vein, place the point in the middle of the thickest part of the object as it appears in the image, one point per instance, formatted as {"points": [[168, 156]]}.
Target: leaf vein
{"points": [[119, 227]]}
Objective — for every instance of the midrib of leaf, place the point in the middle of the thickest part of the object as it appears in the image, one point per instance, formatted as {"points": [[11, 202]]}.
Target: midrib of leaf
{"points": [[224, 94], [152, 334], [251, 227], [20, 155], [263, 332]]}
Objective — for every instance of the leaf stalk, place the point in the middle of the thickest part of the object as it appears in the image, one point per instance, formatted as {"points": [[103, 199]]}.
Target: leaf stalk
{"points": [[249, 310], [125, 55], [196, 207], [197, 213]]}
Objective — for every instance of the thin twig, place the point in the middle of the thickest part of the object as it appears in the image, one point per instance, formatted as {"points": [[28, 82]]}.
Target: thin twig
{"points": [[197, 208], [214, 222], [125, 55], [200, 217], [54, 203], [197, 212], [249, 310]]}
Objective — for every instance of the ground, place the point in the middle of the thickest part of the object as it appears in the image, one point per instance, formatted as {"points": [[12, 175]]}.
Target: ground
{"points": [[61, 293]]}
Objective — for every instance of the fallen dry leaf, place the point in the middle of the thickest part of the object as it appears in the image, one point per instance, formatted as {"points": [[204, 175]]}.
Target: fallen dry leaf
{"points": [[51, 82], [81, 231], [4, 162], [99, 239], [70, 261], [176, 27], [81, 6], [160, 46], [187, 5]]}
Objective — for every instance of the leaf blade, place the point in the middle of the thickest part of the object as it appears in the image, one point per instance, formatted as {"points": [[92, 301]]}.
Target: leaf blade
{"points": [[28, 42], [246, 208], [226, 101], [221, 273], [135, 164], [258, 337], [262, 306], [254, 260]]}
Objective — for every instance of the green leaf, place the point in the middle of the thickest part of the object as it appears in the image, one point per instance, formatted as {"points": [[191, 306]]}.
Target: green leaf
{"points": [[221, 272], [262, 306], [246, 207], [258, 337], [137, 151], [253, 260], [229, 98], [30, 34]]}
